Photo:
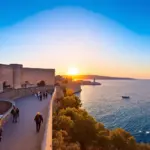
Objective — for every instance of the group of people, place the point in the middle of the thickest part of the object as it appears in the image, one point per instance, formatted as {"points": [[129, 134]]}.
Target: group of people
{"points": [[41, 95], [15, 115], [38, 118]]}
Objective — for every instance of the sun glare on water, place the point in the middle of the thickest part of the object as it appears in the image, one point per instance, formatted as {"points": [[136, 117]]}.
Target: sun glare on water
{"points": [[73, 71]]}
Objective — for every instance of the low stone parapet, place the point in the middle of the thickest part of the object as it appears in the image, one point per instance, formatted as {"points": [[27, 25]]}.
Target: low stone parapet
{"points": [[4, 106], [18, 93], [5, 109], [47, 141]]}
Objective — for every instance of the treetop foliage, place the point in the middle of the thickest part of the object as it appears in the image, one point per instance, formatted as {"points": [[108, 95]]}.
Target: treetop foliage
{"points": [[75, 129]]}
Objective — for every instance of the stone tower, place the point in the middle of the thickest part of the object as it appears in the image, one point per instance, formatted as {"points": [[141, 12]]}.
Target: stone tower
{"points": [[17, 75]]}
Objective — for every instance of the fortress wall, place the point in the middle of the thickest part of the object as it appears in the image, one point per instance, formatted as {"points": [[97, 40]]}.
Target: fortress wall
{"points": [[34, 75], [17, 75], [6, 74]]}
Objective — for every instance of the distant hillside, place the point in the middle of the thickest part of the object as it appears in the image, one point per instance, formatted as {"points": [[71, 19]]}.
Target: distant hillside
{"points": [[100, 77]]}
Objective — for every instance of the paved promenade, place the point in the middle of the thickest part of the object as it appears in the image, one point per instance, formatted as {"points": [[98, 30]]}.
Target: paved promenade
{"points": [[22, 135]]}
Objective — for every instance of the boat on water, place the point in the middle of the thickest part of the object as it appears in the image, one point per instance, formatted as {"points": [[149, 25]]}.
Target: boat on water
{"points": [[126, 97]]}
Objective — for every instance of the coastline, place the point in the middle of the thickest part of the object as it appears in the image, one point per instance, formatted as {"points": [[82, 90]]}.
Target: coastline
{"points": [[79, 121], [115, 112]]}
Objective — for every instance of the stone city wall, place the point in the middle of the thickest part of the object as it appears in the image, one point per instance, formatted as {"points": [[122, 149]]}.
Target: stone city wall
{"points": [[6, 74], [36, 75], [15, 75]]}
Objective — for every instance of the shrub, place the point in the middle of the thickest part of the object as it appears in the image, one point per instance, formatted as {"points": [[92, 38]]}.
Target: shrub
{"points": [[70, 101], [41, 83]]}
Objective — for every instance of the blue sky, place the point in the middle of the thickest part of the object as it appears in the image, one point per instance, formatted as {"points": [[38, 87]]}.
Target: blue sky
{"points": [[132, 14], [106, 37]]}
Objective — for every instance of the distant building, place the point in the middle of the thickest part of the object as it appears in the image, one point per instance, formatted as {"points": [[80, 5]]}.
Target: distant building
{"points": [[16, 76]]}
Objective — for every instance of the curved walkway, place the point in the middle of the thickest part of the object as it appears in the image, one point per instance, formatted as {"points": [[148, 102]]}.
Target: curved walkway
{"points": [[22, 135]]}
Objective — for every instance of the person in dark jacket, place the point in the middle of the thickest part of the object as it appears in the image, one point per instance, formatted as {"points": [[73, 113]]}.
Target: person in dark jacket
{"points": [[44, 96], [17, 111], [38, 120], [41, 96], [1, 131], [14, 113], [51, 93]]}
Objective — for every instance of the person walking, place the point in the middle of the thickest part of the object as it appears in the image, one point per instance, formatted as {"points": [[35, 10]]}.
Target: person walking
{"points": [[18, 112], [46, 94], [38, 120], [1, 131], [36, 95], [14, 114], [39, 93], [41, 96]]}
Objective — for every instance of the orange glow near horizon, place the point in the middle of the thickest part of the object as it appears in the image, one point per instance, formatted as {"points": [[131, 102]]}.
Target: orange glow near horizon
{"points": [[73, 71]]}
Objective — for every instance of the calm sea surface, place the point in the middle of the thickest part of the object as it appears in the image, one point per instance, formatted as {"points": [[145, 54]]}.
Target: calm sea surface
{"points": [[106, 105]]}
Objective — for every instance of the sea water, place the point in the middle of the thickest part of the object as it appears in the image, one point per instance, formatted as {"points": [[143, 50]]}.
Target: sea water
{"points": [[105, 103]]}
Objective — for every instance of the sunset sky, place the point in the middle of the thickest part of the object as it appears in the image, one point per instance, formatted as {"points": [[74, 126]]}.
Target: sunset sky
{"points": [[104, 37]]}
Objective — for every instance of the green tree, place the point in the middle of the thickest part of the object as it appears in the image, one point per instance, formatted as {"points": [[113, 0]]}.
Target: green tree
{"points": [[64, 123], [122, 140], [69, 92], [83, 126], [58, 140], [61, 141], [73, 146], [70, 101], [75, 129], [41, 83]]}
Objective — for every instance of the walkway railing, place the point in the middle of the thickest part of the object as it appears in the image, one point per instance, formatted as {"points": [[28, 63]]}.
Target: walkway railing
{"points": [[47, 141]]}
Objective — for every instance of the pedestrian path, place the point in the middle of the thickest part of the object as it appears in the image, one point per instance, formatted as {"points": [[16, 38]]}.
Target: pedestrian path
{"points": [[22, 135]]}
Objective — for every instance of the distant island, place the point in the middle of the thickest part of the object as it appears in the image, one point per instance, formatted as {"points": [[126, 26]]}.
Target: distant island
{"points": [[98, 77], [85, 79]]}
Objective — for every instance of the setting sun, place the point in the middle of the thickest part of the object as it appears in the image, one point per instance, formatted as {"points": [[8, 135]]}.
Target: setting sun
{"points": [[73, 71]]}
